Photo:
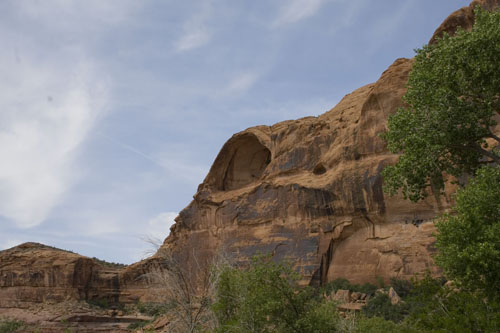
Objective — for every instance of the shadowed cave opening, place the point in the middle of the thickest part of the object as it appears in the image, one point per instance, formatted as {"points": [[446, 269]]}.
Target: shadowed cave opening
{"points": [[319, 169], [247, 164]]}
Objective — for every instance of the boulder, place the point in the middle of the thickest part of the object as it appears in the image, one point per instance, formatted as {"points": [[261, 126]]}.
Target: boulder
{"points": [[394, 297], [355, 296], [342, 296]]}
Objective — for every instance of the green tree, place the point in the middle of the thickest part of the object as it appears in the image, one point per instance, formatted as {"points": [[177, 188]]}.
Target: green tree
{"points": [[469, 238], [380, 325], [435, 308], [265, 297], [452, 100]]}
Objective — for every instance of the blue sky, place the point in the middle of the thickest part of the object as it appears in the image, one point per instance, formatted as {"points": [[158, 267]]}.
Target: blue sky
{"points": [[111, 112]]}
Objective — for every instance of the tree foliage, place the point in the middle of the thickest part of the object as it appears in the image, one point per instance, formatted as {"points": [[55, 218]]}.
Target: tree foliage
{"points": [[341, 283], [452, 100], [469, 239], [437, 308], [265, 297]]}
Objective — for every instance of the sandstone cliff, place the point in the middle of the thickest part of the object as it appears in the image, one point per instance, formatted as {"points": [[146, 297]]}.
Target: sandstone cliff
{"points": [[35, 273], [310, 191], [307, 190]]}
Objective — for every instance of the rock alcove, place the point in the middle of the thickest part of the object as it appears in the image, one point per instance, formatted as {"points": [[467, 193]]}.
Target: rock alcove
{"points": [[247, 163]]}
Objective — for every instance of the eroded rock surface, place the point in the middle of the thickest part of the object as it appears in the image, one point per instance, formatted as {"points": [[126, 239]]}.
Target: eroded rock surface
{"points": [[310, 191], [35, 273], [306, 190], [463, 18]]}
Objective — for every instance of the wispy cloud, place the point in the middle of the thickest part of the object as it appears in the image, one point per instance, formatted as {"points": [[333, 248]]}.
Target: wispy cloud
{"points": [[51, 97], [44, 121], [78, 15], [181, 166], [240, 83], [297, 10], [196, 32]]}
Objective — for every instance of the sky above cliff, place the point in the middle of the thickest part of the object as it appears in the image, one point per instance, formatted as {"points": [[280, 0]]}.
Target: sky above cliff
{"points": [[111, 112]]}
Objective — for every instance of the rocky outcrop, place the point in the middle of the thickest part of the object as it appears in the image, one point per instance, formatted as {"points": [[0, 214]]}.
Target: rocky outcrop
{"points": [[310, 191], [463, 18], [31, 273], [35, 273]]}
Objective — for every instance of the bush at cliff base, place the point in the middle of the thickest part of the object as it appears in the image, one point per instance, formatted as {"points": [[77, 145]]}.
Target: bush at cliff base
{"points": [[8, 326], [265, 297], [431, 306]]}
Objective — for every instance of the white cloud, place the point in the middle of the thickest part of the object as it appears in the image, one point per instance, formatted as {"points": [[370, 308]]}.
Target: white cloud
{"points": [[296, 10], [195, 37], [241, 83], [44, 120], [76, 14], [51, 96], [196, 32]]}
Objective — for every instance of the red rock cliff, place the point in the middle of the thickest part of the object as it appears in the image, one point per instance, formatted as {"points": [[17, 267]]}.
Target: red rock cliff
{"points": [[310, 191], [307, 190]]}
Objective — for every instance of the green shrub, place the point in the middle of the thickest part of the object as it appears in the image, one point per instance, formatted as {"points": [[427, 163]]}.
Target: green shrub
{"points": [[265, 297], [401, 286], [152, 309], [457, 312], [8, 326], [99, 303], [423, 293], [321, 318], [380, 282], [342, 283], [381, 306], [380, 325], [138, 324], [366, 288], [337, 284]]}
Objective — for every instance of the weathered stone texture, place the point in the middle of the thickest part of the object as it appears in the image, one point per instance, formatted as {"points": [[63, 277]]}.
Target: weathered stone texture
{"points": [[306, 190], [310, 191]]}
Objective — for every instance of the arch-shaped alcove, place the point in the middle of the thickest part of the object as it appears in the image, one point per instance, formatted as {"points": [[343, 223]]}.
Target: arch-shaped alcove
{"points": [[248, 161], [242, 160]]}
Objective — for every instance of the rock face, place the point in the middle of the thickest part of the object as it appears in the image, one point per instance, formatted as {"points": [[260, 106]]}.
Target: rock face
{"points": [[35, 273], [32, 273], [463, 17], [307, 190], [310, 191]]}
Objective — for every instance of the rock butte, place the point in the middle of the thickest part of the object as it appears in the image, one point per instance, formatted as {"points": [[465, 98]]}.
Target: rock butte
{"points": [[307, 190]]}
